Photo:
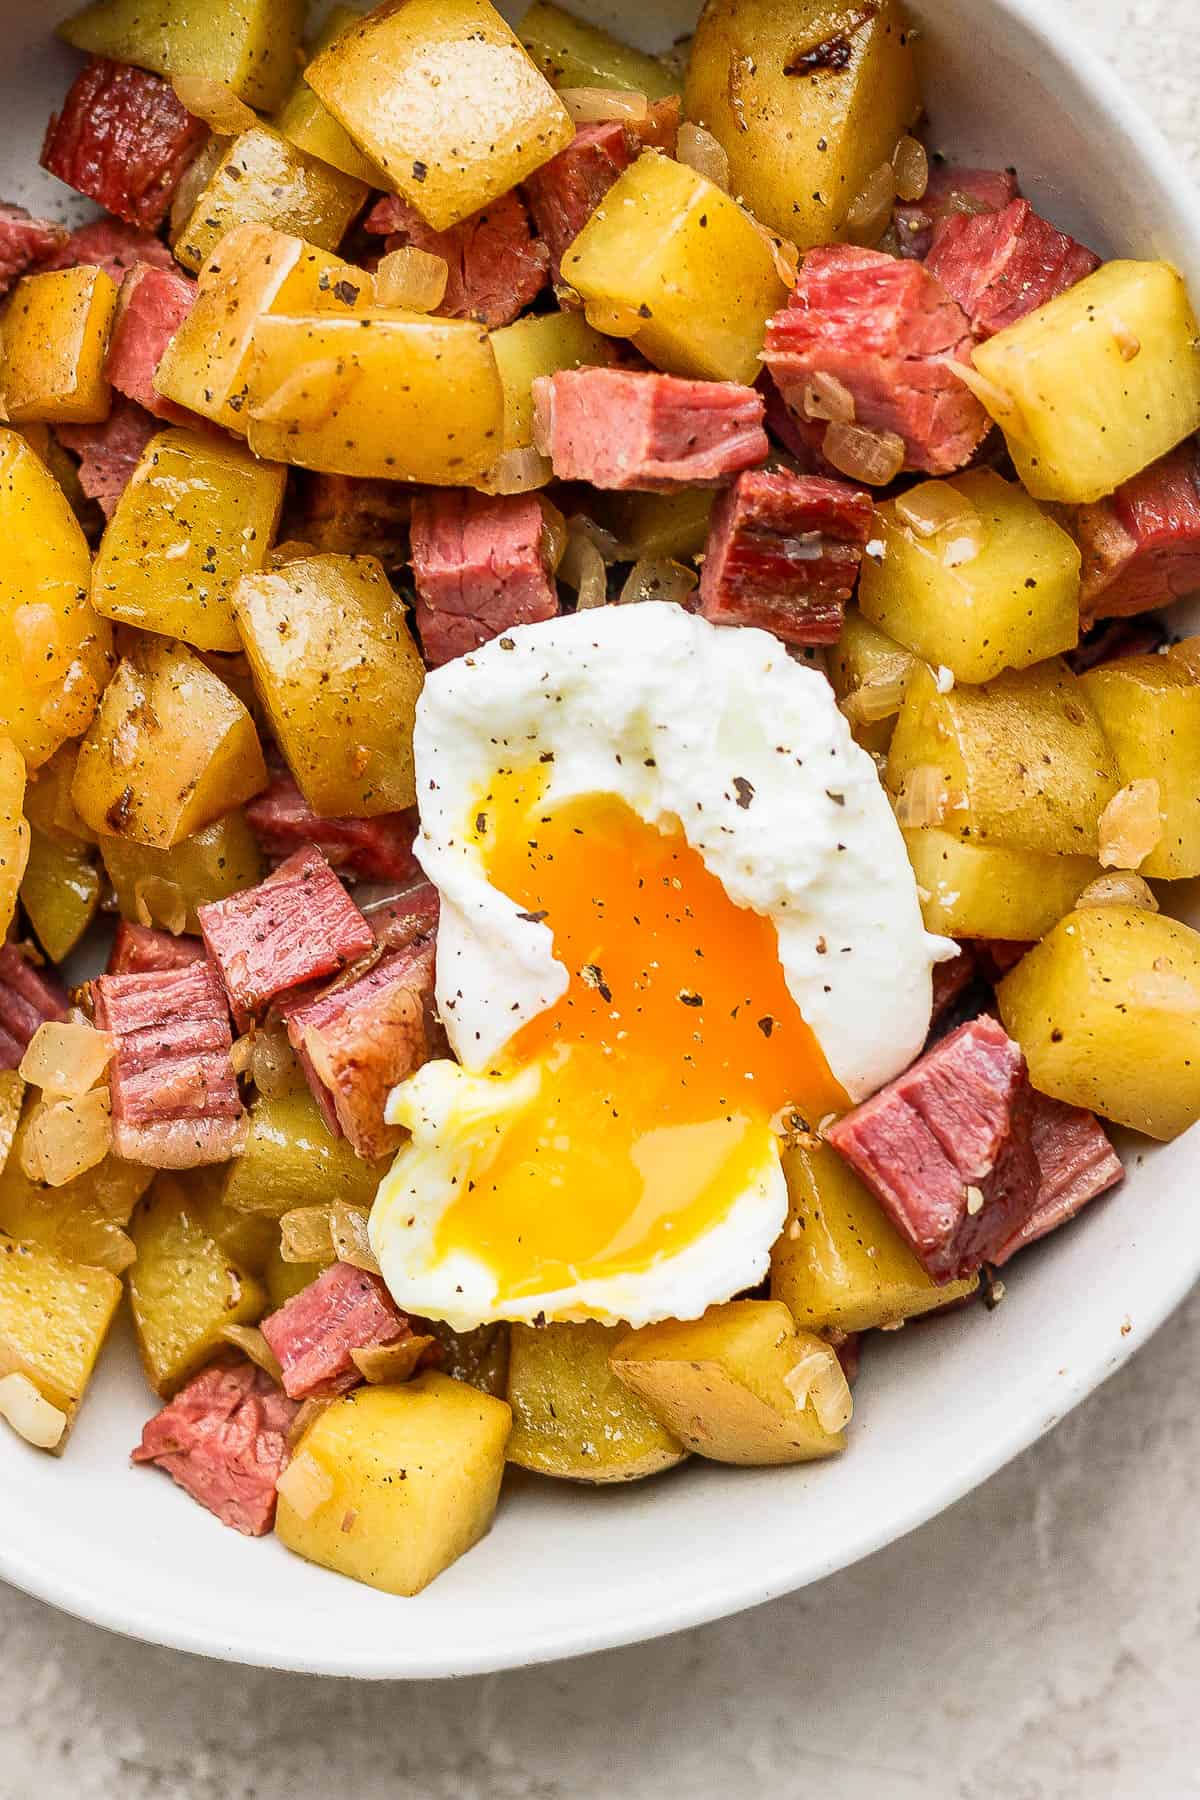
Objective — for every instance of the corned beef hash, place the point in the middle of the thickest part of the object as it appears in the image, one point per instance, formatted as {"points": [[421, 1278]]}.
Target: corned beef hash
{"points": [[594, 623]]}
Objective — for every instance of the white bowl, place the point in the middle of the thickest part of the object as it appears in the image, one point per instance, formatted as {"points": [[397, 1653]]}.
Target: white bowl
{"points": [[940, 1406]]}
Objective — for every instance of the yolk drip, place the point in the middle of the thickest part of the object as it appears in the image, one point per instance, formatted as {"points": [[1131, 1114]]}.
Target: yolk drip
{"points": [[662, 1064]]}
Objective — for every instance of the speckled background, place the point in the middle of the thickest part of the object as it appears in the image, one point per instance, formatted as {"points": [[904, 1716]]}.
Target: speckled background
{"points": [[1041, 1641]]}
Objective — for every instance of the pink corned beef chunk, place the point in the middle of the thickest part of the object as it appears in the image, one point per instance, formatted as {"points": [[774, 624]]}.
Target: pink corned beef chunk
{"points": [[24, 241], [495, 265], [630, 428], [124, 140], [1000, 266], [893, 337], [345, 1309], [175, 1100], [28, 998], [952, 189], [223, 1438], [1076, 1162], [565, 192], [783, 553], [112, 246], [947, 1148], [139, 950], [951, 981], [1141, 545], [378, 849], [295, 927], [480, 565], [109, 453], [153, 305]]}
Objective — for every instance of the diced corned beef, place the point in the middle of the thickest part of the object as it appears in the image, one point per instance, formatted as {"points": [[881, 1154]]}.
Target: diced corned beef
{"points": [[1076, 1163], [951, 981], [352, 516], [495, 265], [312, 1335], [175, 1100], [28, 998], [1113, 638], [800, 437], [398, 920], [140, 950], [565, 192], [113, 246], [378, 849], [629, 428], [893, 337], [109, 453], [152, 306], [947, 1148], [783, 553], [994, 957], [952, 189], [1141, 545], [223, 1438], [24, 241], [296, 927], [1000, 266], [124, 140], [480, 564]]}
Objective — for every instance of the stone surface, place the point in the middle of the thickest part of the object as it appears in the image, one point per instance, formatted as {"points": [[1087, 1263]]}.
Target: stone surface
{"points": [[1040, 1641]]}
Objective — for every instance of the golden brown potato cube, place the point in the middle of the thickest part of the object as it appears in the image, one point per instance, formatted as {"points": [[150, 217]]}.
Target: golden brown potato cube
{"points": [[284, 1280], [388, 394], [1020, 762], [170, 750], [14, 831], [808, 98], [1149, 707], [183, 1287], [250, 45], [973, 576], [48, 803], [54, 1317], [669, 248], [479, 1357], [656, 526], [164, 887], [393, 1484], [736, 1385], [990, 890], [60, 892], [293, 1159], [12, 1094], [304, 121], [55, 652], [571, 1416], [572, 53], [340, 676], [262, 177], [56, 330], [868, 672], [541, 346], [198, 512], [442, 98], [85, 1219], [1107, 1011]]}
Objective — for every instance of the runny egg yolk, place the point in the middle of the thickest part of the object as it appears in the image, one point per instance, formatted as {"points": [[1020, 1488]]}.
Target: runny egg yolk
{"points": [[674, 1045]]}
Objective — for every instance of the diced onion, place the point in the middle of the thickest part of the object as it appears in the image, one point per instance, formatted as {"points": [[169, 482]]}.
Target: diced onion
{"points": [[701, 151], [825, 397], [1131, 825], [596, 105], [935, 506], [305, 1485], [274, 1066], [882, 696], [1164, 989], [613, 318], [391, 1362], [519, 471], [910, 160], [309, 1411], [30, 1414], [957, 200], [242, 1054], [71, 703], [870, 211], [305, 1235], [66, 1059], [554, 533], [411, 278], [348, 1233], [874, 457], [607, 543], [160, 902], [215, 102], [1119, 890], [923, 799], [582, 568], [72, 1136], [251, 1342], [818, 1377], [658, 578], [1127, 342]]}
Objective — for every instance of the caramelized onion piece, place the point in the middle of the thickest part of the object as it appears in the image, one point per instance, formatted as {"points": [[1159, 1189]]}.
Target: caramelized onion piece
{"points": [[1131, 825], [305, 1235], [519, 471], [215, 102], [701, 151], [582, 568], [411, 278], [825, 397], [1119, 890], [873, 457], [348, 1234], [597, 105], [305, 1485], [30, 1414], [66, 1059], [658, 579], [71, 1136], [818, 1376], [923, 799], [251, 1342], [391, 1362], [871, 209], [910, 160]]}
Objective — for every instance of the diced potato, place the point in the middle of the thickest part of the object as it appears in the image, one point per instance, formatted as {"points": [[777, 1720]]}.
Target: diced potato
{"points": [[305, 122], [808, 98], [389, 394], [54, 1318], [60, 892], [284, 1280], [411, 1478], [56, 330], [263, 178], [541, 346], [61, 465], [670, 248], [55, 652], [442, 98], [250, 45], [293, 1159], [85, 1219], [249, 1239], [14, 832], [995, 587], [48, 803], [340, 676], [869, 672], [183, 1287], [574, 54], [656, 526], [991, 890], [720, 1383], [198, 512], [479, 1357], [1097, 384], [840, 1264], [1020, 762], [1149, 707], [572, 1417], [12, 1093], [170, 750], [164, 887]]}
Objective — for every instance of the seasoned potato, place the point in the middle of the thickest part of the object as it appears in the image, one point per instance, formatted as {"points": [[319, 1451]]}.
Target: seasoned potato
{"points": [[574, 54], [248, 1239], [990, 890], [55, 653], [720, 1383], [12, 1093], [841, 1265], [868, 672], [807, 97], [56, 330], [250, 45], [293, 1159], [1149, 707], [85, 1219], [284, 1280], [1107, 1011], [304, 121], [48, 803], [443, 99], [340, 676], [541, 346], [60, 892], [54, 1317], [183, 1287], [197, 513], [263, 178], [657, 525], [994, 586], [396, 1482], [170, 750], [1020, 762], [164, 887], [669, 248], [389, 394], [572, 1417], [14, 831], [479, 1357], [1097, 384]]}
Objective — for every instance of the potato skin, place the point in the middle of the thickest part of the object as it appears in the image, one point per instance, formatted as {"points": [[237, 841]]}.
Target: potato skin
{"points": [[572, 1417], [164, 887], [263, 177], [573, 53], [252, 46]]}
